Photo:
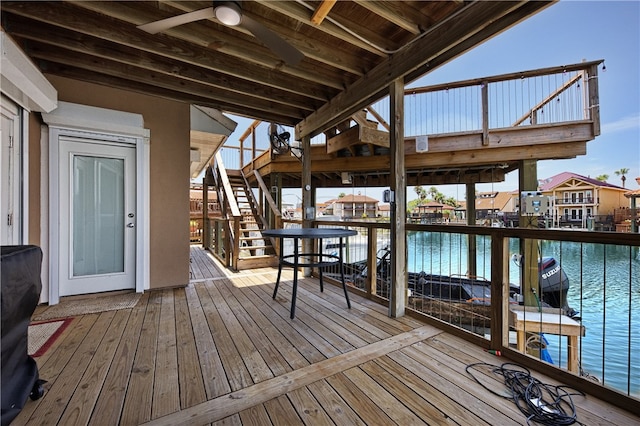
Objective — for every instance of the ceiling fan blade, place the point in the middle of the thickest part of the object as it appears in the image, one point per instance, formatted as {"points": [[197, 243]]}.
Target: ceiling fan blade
{"points": [[273, 41], [174, 21]]}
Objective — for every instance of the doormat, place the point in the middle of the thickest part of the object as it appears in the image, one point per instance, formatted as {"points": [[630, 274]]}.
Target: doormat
{"points": [[92, 305], [43, 334]]}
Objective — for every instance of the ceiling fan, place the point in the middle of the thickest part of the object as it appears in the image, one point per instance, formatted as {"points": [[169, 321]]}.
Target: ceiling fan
{"points": [[230, 13]]}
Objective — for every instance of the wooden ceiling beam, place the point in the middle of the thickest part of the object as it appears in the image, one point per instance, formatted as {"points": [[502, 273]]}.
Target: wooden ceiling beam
{"points": [[333, 56], [41, 44], [492, 28], [393, 13], [469, 21], [322, 11], [153, 90], [234, 42], [297, 11], [168, 82], [92, 24]]}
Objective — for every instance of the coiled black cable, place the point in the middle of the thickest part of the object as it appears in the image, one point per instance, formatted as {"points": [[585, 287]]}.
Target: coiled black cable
{"points": [[539, 402]]}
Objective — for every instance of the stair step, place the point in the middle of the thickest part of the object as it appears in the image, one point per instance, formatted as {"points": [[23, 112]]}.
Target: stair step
{"points": [[253, 262], [253, 238], [255, 247]]}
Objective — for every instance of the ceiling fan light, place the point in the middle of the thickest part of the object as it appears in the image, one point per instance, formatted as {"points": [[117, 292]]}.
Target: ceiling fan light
{"points": [[229, 14]]}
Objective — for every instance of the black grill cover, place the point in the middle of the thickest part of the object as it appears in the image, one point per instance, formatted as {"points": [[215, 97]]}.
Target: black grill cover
{"points": [[21, 286]]}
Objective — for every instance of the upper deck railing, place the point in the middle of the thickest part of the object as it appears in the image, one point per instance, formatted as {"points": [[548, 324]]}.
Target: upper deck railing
{"points": [[543, 97]]}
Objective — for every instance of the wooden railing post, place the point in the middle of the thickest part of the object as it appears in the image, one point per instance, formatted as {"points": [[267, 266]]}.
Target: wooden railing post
{"points": [[371, 281], [484, 87], [594, 98], [236, 242], [499, 291]]}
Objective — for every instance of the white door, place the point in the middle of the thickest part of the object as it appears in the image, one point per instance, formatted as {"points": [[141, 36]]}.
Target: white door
{"points": [[10, 205], [97, 216]]}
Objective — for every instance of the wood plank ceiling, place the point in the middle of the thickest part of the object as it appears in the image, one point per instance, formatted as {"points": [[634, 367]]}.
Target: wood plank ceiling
{"points": [[352, 50]]}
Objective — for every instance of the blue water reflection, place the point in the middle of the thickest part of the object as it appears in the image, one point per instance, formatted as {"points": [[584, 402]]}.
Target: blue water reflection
{"points": [[605, 289]]}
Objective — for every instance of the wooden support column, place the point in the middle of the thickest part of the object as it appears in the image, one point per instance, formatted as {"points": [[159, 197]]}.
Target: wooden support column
{"points": [[634, 214], [308, 209], [528, 181], [594, 98], [398, 291], [205, 214], [371, 281], [499, 292], [472, 266]]}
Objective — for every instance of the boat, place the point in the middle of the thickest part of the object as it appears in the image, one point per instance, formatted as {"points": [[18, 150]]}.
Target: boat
{"points": [[469, 290]]}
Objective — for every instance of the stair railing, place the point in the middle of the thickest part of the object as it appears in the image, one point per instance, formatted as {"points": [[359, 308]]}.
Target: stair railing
{"points": [[231, 211], [277, 214]]}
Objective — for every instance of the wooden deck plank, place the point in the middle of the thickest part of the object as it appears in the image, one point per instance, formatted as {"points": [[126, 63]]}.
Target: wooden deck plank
{"points": [[355, 397], [273, 359], [207, 268], [338, 313], [372, 308], [288, 337], [426, 408], [80, 406], [247, 350], [191, 382], [210, 363], [109, 405], [359, 314], [380, 396], [235, 370], [282, 412], [589, 410], [255, 416], [325, 341], [166, 395], [333, 404], [317, 323], [453, 380], [289, 353], [50, 411], [56, 362], [261, 392], [435, 393], [234, 420], [138, 400], [308, 408]]}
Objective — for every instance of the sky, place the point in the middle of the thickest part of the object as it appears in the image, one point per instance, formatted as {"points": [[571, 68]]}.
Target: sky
{"points": [[567, 32]]}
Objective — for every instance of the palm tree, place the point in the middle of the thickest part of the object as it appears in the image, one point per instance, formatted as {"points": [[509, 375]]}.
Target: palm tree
{"points": [[622, 172], [433, 191], [602, 178], [422, 194]]}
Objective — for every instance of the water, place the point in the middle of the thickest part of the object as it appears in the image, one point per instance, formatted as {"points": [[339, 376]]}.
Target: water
{"points": [[604, 288]]}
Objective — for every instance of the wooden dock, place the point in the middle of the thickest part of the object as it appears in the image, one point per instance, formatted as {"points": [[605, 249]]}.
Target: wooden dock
{"points": [[222, 351]]}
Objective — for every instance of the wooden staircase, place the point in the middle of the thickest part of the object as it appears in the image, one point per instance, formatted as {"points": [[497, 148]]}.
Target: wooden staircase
{"points": [[255, 250]]}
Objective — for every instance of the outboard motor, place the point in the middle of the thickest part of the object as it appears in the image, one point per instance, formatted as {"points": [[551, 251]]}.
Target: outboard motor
{"points": [[554, 284]]}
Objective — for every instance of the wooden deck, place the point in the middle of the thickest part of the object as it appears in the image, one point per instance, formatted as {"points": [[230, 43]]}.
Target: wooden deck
{"points": [[222, 351]]}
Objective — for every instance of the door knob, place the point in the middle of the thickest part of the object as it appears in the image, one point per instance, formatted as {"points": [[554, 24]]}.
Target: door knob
{"points": [[130, 225]]}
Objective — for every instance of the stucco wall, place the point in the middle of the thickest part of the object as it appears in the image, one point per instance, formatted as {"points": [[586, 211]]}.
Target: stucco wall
{"points": [[611, 199], [34, 179], [169, 126]]}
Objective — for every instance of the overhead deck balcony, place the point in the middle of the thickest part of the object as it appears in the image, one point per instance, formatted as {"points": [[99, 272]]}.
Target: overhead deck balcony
{"points": [[461, 132]]}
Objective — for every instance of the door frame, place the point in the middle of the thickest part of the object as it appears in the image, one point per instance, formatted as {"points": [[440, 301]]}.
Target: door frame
{"points": [[137, 137], [71, 148], [16, 180]]}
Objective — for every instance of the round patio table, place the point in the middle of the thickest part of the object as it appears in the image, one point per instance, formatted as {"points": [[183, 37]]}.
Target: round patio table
{"points": [[311, 260]]}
